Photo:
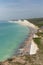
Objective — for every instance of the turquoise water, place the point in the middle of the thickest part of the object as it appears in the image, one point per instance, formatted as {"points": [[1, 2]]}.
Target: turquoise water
{"points": [[11, 36]]}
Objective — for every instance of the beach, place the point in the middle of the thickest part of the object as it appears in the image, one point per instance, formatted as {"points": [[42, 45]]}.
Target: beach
{"points": [[29, 46]]}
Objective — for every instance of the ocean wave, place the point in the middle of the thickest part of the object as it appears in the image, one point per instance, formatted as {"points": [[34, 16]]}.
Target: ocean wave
{"points": [[12, 21]]}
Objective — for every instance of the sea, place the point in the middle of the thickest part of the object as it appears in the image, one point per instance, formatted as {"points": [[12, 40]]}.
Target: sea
{"points": [[12, 36]]}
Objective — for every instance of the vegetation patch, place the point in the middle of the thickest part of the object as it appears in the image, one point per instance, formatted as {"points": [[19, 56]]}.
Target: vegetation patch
{"points": [[37, 21], [40, 34], [37, 41]]}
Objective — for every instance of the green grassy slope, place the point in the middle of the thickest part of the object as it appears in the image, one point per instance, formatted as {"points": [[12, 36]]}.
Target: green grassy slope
{"points": [[36, 21]]}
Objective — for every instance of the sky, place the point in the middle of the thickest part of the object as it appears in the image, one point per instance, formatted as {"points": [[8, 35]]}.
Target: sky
{"points": [[20, 9]]}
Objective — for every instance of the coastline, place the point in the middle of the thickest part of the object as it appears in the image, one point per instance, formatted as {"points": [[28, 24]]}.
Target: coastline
{"points": [[27, 43]]}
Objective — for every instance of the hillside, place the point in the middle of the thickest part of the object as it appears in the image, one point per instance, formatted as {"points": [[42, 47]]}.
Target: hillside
{"points": [[36, 21]]}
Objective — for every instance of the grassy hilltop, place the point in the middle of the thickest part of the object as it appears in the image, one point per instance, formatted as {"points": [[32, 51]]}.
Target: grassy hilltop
{"points": [[36, 21]]}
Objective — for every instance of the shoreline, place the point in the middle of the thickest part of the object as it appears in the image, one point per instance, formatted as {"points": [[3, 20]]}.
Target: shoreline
{"points": [[29, 43], [25, 47]]}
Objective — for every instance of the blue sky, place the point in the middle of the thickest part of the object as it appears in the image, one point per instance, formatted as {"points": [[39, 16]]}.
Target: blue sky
{"points": [[17, 9]]}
